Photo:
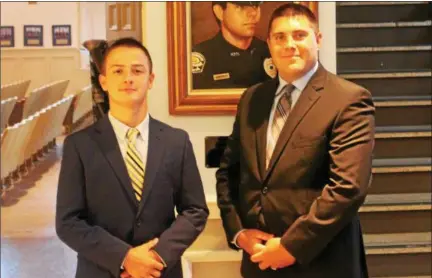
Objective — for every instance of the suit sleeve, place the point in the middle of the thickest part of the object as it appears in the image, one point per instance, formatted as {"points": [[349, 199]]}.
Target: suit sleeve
{"points": [[350, 156], [191, 207], [227, 183], [92, 242]]}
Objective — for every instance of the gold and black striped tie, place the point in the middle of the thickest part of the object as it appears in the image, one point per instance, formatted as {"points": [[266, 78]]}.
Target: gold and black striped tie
{"points": [[134, 164]]}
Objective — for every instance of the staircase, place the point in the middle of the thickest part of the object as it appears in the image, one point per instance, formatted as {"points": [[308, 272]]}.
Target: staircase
{"points": [[386, 47]]}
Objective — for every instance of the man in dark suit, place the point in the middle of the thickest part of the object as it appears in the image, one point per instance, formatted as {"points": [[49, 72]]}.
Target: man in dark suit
{"points": [[122, 178], [297, 165]]}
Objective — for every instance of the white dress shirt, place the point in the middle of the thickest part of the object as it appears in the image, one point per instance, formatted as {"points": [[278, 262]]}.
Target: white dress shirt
{"points": [[141, 143], [299, 84]]}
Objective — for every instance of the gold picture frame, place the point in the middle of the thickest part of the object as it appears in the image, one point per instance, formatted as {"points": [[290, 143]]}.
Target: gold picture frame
{"points": [[183, 100]]}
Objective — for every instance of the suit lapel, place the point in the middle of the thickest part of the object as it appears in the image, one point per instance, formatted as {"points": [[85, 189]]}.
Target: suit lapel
{"points": [[265, 97], [154, 157], [307, 99], [107, 141]]}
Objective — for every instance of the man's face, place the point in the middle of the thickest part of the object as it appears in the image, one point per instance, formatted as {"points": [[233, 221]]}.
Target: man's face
{"points": [[241, 21], [127, 77], [293, 44]]}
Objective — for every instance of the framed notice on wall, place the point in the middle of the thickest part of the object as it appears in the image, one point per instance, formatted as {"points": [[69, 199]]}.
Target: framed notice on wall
{"points": [[7, 36], [33, 35], [61, 35]]}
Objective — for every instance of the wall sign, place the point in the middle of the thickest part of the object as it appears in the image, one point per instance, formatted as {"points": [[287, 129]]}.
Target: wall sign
{"points": [[61, 35], [33, 35], [7, 36]]}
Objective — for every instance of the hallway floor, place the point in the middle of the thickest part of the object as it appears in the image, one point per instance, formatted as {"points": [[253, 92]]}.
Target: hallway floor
{"points": [[29, 244]]}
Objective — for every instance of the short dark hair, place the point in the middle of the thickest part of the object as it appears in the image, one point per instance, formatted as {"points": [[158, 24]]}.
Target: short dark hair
{"points": [[126, 42], [292, 10], [223, 5]]}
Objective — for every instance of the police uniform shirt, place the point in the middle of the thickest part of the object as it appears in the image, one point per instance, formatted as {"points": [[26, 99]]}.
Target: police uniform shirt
{"points": [[218, 64]]}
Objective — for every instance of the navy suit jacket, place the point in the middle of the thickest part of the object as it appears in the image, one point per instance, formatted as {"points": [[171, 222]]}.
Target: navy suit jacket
{"points": [[97, 214]]}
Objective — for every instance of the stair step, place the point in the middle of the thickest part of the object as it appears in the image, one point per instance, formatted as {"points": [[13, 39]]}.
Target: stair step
{"points": [[403, 110], [402, 242], [397, 49], [402, 165], [403, 131], [403, 141], [360, 13], [383, 34], [372, 75], [396, 213], [394, 85], [379, 3], [401, 175], [403, 276], [384, 24], [385, 202], [397, 59], [403, 100]]}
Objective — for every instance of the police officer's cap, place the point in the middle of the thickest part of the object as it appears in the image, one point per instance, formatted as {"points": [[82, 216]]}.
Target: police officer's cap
{"points": [[246, 3]]}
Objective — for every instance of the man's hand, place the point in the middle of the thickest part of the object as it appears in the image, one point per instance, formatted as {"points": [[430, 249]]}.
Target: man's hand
{"points": [[140, 262], [274, 255], [251, 240]]}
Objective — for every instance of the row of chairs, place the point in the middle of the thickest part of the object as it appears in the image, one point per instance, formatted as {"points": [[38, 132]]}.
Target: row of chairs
{"points": [[7, 106], [16, 89], [22, 141], [37, 99], [44, 96], [25, 142]]}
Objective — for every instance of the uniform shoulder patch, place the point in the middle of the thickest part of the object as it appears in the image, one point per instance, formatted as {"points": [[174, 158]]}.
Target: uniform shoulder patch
{"points": [[270, 68], [198, 62]]}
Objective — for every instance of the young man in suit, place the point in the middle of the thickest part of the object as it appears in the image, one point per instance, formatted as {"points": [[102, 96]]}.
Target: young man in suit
{"points": [[122, 178], [297, 165]]}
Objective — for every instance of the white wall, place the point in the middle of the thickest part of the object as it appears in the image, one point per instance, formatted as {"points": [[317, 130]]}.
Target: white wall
{"points": [[47, 14], [198, 127], [92, 25], [327, 25]]}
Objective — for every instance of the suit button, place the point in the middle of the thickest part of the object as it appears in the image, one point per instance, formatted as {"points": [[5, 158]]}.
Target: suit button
{"points": [[138, 223], [265, 190]]}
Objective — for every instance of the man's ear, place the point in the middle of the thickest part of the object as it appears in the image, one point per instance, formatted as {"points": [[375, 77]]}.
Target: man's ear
{"points": [[151, 80], [218, 11], [102, 82], [318, 36]]}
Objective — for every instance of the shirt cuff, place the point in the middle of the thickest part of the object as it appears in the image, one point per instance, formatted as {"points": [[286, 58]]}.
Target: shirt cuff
{"points": [[234, 241], [122, 264]]}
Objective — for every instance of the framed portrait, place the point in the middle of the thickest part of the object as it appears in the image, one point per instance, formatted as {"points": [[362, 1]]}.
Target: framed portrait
{"points": [[61, 35], [198, 55], [33, 35], [7, 36]]}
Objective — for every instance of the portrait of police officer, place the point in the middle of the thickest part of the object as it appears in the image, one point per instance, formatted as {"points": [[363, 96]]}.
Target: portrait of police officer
{"points": [[234, 57]]}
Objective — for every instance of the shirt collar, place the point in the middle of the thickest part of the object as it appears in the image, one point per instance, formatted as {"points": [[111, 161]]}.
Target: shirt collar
{"points": [[121, 129], [220, 38], [300, 83]]}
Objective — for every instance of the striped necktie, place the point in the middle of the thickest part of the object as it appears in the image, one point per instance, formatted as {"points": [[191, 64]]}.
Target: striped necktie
{"points": [[282, 111], [134, 164]]}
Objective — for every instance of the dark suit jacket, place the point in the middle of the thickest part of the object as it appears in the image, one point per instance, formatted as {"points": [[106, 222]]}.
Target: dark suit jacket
{"points": [[317, 179], [99, 217]]}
